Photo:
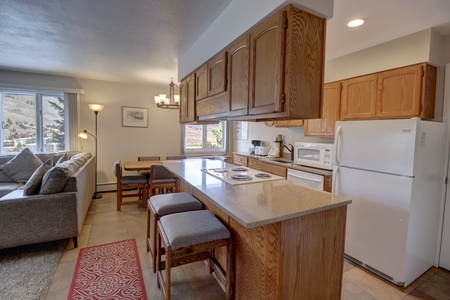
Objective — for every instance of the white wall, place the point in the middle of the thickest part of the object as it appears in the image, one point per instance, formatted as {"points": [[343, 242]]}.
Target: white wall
{"points": [[408, 50], [162, 137]]}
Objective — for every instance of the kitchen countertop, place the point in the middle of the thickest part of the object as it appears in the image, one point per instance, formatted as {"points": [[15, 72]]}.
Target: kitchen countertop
{"points": [[254, 204], [287, 163]]}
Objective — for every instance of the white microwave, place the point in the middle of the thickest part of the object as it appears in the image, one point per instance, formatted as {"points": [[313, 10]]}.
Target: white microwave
{"points": [[317, 155]]}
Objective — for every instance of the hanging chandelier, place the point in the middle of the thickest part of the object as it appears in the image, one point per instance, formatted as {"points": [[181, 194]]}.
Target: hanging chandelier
{"points": [[171, 102]]}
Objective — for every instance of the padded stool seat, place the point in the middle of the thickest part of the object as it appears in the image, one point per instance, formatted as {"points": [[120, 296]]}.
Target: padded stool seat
{"points": [[165, 204], [188, 237], [194, 227]]}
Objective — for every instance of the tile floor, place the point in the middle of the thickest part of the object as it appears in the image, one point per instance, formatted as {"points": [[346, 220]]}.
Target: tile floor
{"points": [[104, 224]]}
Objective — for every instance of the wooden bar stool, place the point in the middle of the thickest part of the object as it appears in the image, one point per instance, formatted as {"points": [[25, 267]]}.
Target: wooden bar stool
{"points": [[189, 237], [165, 204]]}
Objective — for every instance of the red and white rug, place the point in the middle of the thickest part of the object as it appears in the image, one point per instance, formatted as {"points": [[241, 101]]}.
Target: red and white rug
{"points": [[109, 271]]}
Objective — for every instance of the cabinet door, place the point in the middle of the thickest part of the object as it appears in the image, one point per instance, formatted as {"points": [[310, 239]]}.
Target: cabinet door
{"points": [[359, 97], [183, 101], [289, 123], [267, 44], [187, 99], [330, 112], [238, 77], [400, 92], [201, 77], [217, 74]]}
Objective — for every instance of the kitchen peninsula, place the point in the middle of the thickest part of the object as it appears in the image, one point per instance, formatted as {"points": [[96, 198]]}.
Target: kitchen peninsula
{"points": [[288, 239]]}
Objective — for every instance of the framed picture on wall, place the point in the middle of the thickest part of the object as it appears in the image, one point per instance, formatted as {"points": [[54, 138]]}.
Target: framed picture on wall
{"points": [[134, 117]]}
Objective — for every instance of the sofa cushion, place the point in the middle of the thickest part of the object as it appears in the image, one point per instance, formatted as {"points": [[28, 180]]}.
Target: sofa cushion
{"points": [[22, 166], [4, 177], [54, 180], [81, 158], [8, 187], [33, 184]]}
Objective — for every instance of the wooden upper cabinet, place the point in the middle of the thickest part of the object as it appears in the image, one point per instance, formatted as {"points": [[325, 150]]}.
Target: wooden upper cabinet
{"points": [[405, 92], [267, 65], [290, 123], [359, 97], [324, 127], [201, 79], [187, 99], [238, 77], [217, 74], [212, 100], [286, 66]]}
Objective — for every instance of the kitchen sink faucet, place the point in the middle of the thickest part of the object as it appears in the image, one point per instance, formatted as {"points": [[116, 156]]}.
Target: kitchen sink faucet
{"points": [[290, 150]]}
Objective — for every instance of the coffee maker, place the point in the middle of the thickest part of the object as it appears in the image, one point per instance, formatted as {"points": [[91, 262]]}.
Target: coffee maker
{"points": [[255, 143]]}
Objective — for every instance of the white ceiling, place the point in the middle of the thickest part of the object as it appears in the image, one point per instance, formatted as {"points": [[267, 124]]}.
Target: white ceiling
{"points": [[139, 41]]}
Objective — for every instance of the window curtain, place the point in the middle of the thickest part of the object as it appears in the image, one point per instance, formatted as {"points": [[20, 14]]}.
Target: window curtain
{"points": [[71, 116]]}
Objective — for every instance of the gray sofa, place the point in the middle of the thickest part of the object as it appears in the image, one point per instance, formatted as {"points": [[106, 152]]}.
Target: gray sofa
{"points": [[51, 213]]}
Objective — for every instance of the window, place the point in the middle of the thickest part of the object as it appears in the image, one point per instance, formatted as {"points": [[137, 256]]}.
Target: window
{"points": [[32, 120], [205, 138]]}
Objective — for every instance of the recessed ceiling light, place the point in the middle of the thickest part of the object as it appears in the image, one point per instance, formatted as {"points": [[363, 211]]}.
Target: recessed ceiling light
{"points": [[356, 22]]}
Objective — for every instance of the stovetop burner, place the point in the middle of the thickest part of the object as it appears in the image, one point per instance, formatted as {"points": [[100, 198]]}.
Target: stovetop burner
{"points": [[219, 170], [241, 177], [263, 175], [239, 169], [236, 175]]}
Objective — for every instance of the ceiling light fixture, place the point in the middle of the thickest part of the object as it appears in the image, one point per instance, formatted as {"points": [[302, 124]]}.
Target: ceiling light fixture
{"points": [[356, 22], [171, 102]]}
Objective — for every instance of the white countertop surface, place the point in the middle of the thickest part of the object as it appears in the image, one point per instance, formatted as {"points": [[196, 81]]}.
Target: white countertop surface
{"points": [[254, 204]]}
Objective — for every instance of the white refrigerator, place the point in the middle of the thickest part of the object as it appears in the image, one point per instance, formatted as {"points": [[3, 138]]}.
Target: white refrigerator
{"points": [[394, 172]]}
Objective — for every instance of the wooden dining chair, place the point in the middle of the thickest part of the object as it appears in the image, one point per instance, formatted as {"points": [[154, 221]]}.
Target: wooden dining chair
{"points": [[162, 181], [147, 172], [175, 157], [130, 186]]}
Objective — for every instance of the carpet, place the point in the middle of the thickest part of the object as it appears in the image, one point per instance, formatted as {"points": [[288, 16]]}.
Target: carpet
{"points": [[26, 272], [109, 271]]}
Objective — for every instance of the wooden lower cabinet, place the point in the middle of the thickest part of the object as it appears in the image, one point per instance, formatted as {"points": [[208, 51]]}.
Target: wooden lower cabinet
{"points": [[254, 163], [274, 169], [300, 258], [291, 259]]}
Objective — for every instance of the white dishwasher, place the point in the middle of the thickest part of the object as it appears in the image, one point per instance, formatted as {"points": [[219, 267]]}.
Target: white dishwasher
{"points": [[308, 179]]}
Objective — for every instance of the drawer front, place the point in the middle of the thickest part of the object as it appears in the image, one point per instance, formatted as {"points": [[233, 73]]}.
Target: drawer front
{"points": [[254, 163], [240, 160], [273, 169]]}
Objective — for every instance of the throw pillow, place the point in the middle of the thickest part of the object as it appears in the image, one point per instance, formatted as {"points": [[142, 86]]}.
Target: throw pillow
{"points": [[34, 183], [54, 180], [22, 166], [61, 159]]}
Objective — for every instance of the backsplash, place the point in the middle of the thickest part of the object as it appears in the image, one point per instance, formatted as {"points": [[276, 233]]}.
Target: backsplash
{"points": [[267, 134]]}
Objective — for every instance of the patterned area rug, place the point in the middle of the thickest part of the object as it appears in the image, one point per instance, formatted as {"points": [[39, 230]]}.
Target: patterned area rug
{"points": [[109, 271]]}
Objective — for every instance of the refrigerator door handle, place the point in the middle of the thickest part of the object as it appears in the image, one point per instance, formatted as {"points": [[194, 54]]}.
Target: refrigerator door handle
{"points": [[334, 187], [338, 152]]}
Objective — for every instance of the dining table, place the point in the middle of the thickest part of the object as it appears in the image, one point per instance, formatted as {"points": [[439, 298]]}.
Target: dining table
{"points": [[140, 165]]}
